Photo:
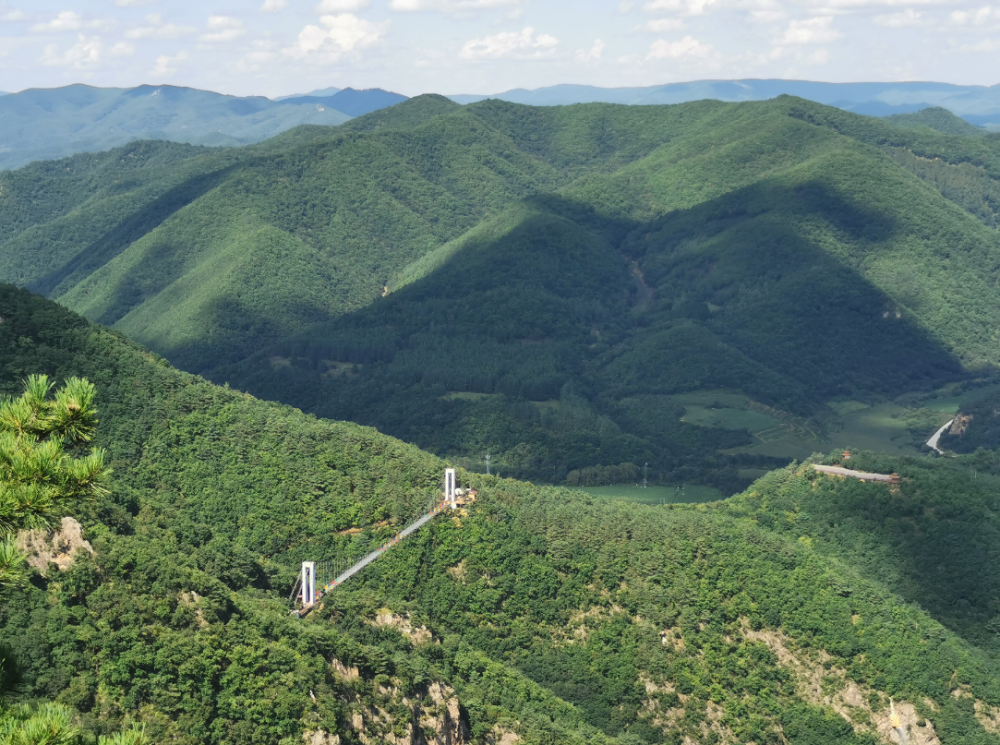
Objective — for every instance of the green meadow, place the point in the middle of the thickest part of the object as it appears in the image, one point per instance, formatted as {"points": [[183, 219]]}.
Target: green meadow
{"points": [[681, 494]]}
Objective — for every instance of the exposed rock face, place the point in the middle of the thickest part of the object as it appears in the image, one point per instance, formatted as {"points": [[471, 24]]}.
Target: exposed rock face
{"points": [[435, 719], [864, 708], [402, 624], [319, 737], [44, 547], [960, 424], [501, 736]]}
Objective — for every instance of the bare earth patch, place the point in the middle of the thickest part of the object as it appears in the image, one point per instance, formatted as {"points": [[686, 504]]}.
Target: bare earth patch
{"points": [[416, 635], [44, 547]]}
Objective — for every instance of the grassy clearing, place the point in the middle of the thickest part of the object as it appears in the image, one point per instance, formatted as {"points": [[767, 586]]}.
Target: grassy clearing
{"points": [[948, 400], [726, 418], [899, 427], [843, 408], [685, 494]]}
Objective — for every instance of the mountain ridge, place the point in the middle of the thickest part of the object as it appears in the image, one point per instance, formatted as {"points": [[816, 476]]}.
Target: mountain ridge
{"points": [[41, 124], [566, 287], [978, 104], [538, 613]]}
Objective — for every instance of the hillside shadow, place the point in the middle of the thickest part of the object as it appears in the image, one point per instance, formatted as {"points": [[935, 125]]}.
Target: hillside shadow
{"points": [[737, 266], [134, 227], [749, 267], [934, 540], [741, 298]]}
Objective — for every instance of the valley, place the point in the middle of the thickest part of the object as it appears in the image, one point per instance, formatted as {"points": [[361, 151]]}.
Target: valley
{"points": [[291, 341], [489, 260]]}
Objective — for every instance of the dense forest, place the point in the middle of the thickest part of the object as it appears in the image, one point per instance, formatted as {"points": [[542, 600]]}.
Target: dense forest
{"points": [[791, 613], [550, 285]]}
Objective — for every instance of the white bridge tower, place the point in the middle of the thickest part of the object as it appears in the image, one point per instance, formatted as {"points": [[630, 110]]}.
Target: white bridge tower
{"points": [[308, 583], [449, 487]]}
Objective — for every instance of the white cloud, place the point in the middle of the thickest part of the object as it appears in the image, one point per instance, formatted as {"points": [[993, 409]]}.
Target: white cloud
{"points": [[689, 7], [263, 55], [8, 14], [816, 30], [625, 6], [449, 6], [155, 28], [123, 49], [341, 6], [168, 65], [65, 21], [343, 33], [987, 45], [904, 19], [222, 29], [87, 52], [519, 44], [661, 25], [590, 55], [133, 3], [273, 6], [819, 57], [768, 16], [985, 16], [686, 47]]}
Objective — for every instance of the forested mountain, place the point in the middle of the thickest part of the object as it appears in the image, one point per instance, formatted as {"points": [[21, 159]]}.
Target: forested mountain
{"points": [[939, 119], [349, 101], [38, 124], [536, 615], [319, 92], [980, 104], [549, 284]]}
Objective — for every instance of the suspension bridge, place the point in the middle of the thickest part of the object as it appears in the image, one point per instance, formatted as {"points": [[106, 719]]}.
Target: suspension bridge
{"points": [[306, 585]]}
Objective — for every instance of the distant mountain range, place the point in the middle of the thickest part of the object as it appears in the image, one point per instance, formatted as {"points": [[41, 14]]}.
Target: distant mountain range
{"points": [[41, 124], [317, 94], [349, 101], [979, 105]]}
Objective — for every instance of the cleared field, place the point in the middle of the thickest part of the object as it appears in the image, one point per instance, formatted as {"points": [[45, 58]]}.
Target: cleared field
{"points": [[899, 427], [687, 494], [727, 418], [950, 402]]}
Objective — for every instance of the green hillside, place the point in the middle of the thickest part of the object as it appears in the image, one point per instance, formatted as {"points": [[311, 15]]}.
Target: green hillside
{"points": [[536, 612], [778, 231], [938, 119], [560, 286]]}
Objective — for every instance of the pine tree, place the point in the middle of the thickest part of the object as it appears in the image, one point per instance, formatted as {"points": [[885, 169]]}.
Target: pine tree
{"points": [[43, 471]]}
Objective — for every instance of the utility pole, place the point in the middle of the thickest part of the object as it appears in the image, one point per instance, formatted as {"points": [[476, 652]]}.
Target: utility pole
{"points": [[645, 474], [487, 464]]}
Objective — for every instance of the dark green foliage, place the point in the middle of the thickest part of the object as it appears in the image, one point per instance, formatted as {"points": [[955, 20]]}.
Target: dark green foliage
{"points": [[977, 426], [552, 615], [921, 539], [622, 251]]}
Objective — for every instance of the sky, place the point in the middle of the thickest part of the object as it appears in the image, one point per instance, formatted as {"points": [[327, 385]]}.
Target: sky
{"points": [[281, 47]]}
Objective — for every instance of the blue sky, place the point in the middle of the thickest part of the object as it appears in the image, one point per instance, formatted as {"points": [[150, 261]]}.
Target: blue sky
{"points": [[277, 47]]}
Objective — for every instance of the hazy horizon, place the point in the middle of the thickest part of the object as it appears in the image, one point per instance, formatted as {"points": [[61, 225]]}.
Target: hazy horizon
{"points": [[279, 47]]}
